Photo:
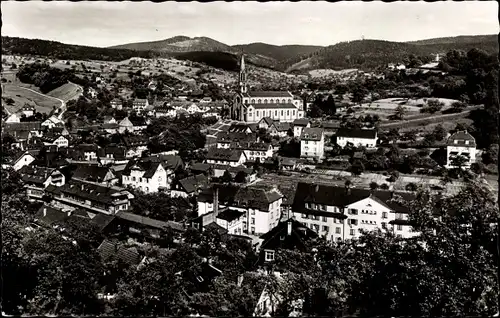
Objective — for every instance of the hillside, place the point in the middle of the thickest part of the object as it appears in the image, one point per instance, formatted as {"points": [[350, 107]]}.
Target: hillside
{"points": [[178, 44], [279, 53], [57, 50], [369, 54]]}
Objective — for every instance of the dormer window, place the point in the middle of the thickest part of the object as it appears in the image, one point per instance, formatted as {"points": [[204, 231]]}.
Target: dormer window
{"points": [[269, 256], [466, 142]]}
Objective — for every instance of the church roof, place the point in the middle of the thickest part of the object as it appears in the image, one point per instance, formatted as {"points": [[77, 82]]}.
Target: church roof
{"points": [[274, 106], [274, 94]]}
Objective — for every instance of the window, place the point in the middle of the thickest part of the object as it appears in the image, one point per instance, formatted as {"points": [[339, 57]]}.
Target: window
{"points": [[281, 113], [304, 216], [316, 227], [252, 230], [384, 225], [353, 211], [339, 239], [352, 232], [294, 113], [307, 205], [337, 230], [400, 227], [269, 256], [316, 218], [257, 114], [265, 101], [288, 112], [325, 228], [252, 212], [275, 113], [283, 101], [253, 101], [353, 222], [252, 221], [324, 219]]}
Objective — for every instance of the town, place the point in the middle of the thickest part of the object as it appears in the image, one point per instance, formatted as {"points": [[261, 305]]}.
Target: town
{"points": [[170, 185]]}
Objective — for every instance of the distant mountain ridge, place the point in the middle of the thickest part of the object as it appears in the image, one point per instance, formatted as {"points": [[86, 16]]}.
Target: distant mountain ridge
{"points": [[277, 52], [178, 44]]}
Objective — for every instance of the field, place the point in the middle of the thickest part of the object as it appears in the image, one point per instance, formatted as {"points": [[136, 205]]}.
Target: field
{"points": [[411, 105], [22, 95], [66, 92]]}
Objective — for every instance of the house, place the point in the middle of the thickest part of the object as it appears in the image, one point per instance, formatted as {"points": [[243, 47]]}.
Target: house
{"points": [[113, 250], [27, 110], [23, 131], [116, 103], [13, 118], [212, 113], [37, 179], [220, 170], [109, 120], [358, 137], [298, 125], [148, 174], [230, 221], [59, 141], [261, 205], [94, 173], [91, 196], [288, 164], [280, 129], [138, 105], [165, 111], [312, 143], [225, 156], [52, 216], [132, 124], [189, 186], [52, 122], [135, 145], [201, 168], [23, 159], [290, 235], [462, 144], [256, 151], [330, 127], [206, 100], [265, 123], [341, 213], [141, 226], [89, 151], [240, 128], [112, 154]]}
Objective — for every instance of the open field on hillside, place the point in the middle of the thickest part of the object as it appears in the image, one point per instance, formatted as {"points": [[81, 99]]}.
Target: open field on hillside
{"points": [[329, 72], [21, 96], [66, 92], [408, 104]]}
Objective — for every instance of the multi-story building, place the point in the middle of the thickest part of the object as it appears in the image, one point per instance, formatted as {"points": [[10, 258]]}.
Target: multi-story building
{"points": [[462, 144], [37, 179], [262, 205], [232, 157], [340, 213], [93, 197], [23, 159], [252, 106], [148, 174], [256, 151], [139, 105], [358, 137], [298, 125], [116, 103], [312, 143]]}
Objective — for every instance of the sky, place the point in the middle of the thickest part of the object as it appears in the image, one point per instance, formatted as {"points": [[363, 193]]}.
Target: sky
{"points": [[310, 23]]}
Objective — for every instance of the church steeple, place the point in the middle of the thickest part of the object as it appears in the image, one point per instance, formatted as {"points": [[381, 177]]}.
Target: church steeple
{"points": [[243, 75]]}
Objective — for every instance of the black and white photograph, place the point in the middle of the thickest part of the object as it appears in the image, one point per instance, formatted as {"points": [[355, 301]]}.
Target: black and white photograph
{"points": [[250, 159]]}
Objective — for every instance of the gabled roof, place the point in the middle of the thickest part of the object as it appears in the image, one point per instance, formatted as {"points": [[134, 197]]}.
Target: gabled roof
{"points": [[330, 125], [224, 154], [342, 197], [168, 161], [157, 224], [357, 133], [279, 237], [32, 153], [255, 197], [269, 94], [238, 128], [24, 126], [229, 215], [109, 250], [193, 183], [302, 122], [274, 106], [87, 147], [91, 172], [36, 175], [87, 190], [133, 141], [313, 134], [148, 165], [281, 126], [461, 137], [52, 215], [267, 120], [260, 146], [198, 166]]}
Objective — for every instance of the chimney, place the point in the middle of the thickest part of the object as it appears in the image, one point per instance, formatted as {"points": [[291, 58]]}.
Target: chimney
{"points": [[44, 211], [289, 227], [216, 200]]}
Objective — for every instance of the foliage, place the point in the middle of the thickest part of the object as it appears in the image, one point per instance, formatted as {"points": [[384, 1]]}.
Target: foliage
{"points": [[161, 207]]}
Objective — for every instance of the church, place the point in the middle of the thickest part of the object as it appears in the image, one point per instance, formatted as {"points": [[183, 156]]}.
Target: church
{"points": [[252, 106]]}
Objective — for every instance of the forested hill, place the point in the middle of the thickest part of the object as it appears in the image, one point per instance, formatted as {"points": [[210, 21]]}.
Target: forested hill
{"points": [[369, 54], [278, 52], [58, 50]]}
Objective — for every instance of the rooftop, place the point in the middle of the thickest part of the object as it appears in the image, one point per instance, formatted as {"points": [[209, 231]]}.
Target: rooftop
{"points": [[357, 133], [312, 134]]}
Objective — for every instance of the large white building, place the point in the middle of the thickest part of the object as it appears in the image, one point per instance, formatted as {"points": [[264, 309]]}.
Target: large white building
{"points": [[340, 213], [358, 137], [149, 174], [262, 206], [312, 143], [462, 144], [252, 106]]}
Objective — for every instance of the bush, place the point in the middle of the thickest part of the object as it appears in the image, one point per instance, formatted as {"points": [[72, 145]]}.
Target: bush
{"points": [[373, 185], [411, 187], [384, 186]]}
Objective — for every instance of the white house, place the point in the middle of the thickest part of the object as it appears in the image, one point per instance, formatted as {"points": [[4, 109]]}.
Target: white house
{"points": [[24, 159], [279, 129], [230, 157], [139, 105], [59, 141], [256, 151], [52, 122], [116, 103], [312, 143], [231, 220], [14, 118], [340, 213], [147, 174], [358, 137], [300, 124], [131, 125], [462, 144], [261, 205], [189, 186]]}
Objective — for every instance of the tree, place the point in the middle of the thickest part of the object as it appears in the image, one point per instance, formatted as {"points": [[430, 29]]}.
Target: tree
{"points": [[411, 187], [240, 177], [399, 112], [373, 185], [490, 156], [357, 167], [384, 186], [358, 94], [226, 177], [458, 107], [439, 132]]}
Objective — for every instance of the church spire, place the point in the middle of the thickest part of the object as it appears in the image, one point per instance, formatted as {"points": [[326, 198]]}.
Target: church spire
{"points": [[243, 75]]}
